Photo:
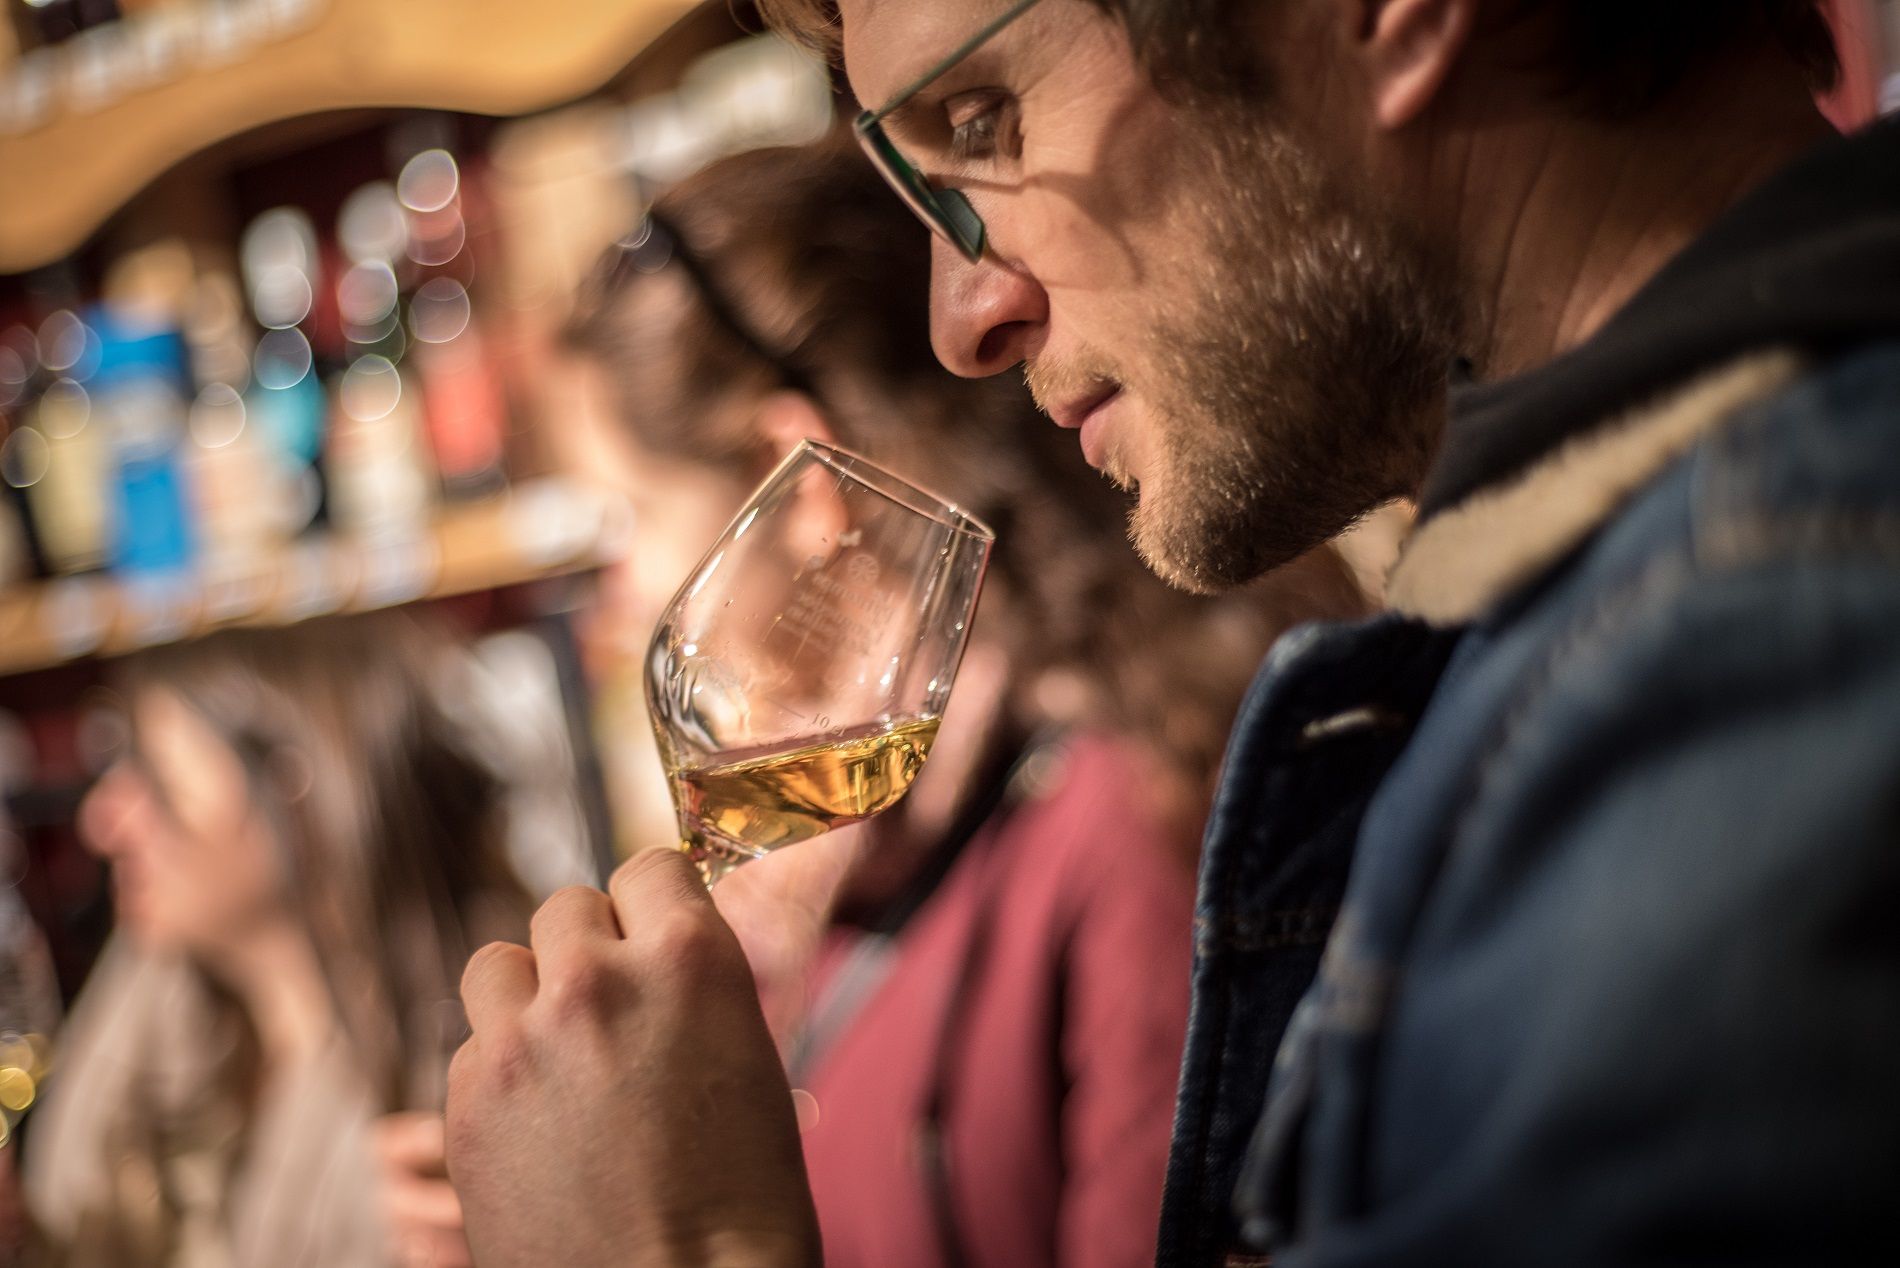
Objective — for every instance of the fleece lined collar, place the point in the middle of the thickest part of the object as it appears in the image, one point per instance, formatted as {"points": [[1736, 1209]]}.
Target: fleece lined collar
{"points": [[1460, 562]]}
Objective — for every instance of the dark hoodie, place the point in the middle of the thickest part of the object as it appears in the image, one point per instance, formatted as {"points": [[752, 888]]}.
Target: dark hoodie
{"points": [[1810, 260]]}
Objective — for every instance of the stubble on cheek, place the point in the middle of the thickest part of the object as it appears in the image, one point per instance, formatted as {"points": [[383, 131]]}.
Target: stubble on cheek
{"points": [[1289, 376], [1120, 467]]}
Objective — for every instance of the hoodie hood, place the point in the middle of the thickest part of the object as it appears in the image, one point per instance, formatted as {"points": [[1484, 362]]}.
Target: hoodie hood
{"points": [[1808, 262]]}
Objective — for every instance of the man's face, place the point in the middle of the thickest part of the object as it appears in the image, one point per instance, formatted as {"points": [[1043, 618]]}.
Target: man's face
{"points": [[1203, 288]]}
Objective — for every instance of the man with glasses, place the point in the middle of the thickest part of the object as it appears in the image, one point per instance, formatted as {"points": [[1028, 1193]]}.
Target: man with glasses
{"points": [[1596, 827]]}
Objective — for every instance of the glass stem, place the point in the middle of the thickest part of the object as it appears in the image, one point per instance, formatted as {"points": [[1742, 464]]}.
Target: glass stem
{"points": [[714, 858]]}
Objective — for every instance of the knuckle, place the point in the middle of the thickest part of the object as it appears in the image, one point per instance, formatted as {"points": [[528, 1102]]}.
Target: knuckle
{"points": [[645, 868], [501, 1060], [566, 897], [507, 1059], [486, 959], [688, 944], [571, 895], [582, 986]]}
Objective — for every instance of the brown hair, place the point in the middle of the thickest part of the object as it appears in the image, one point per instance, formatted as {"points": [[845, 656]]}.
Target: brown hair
{"points": [[1614, 56], [391, 831], [833, 273]]}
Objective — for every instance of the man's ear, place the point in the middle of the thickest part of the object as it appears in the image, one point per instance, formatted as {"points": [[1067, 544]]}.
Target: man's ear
{"points": [[1407, 50], [786, 417]]}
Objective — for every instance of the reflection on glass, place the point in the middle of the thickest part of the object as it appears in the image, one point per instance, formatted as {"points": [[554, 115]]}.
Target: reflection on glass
{"points": [[796, 680]]}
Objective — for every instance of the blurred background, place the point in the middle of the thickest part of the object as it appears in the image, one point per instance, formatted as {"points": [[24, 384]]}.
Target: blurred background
{"points": [[279, 286], [280, 289]]}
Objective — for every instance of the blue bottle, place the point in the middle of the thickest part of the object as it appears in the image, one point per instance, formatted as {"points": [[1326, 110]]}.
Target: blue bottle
{"points": [[140, 388]]}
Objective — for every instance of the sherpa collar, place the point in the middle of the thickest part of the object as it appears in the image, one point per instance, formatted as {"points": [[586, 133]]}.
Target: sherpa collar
{"points": [[1463, 560]]}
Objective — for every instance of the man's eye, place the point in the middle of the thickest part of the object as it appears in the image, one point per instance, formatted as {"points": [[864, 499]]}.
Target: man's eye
{"points": [[976, 129]]}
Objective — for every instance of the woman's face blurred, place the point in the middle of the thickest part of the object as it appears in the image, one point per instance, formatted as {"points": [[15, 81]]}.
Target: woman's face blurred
{"points": [[194, 868], [680, 507]]}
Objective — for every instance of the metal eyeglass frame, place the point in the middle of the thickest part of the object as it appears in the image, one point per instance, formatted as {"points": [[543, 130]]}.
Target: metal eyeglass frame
{"points": [[946, 211]]}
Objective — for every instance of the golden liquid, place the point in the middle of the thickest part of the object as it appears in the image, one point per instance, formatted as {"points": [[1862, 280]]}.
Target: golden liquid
{"points": [[763, 803]]}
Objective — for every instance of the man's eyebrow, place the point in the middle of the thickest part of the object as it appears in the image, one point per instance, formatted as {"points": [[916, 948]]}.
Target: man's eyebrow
{"points": [[903, 120], [910, 118], [950, 61], [917, 84]]}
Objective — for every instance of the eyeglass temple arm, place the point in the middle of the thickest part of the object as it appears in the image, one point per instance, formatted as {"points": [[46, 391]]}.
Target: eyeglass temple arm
{"points": [[962, 51]]}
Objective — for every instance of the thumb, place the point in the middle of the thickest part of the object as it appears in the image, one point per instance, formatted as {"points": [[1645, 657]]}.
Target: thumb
{"points": [[653, 881]]}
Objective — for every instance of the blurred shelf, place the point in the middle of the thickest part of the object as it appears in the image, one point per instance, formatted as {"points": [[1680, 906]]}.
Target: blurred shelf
{"points": [[539, 530], [72, 152]]}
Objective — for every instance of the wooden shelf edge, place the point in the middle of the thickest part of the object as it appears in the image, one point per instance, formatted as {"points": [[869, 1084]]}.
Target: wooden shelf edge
{"points": [[539, 530]]}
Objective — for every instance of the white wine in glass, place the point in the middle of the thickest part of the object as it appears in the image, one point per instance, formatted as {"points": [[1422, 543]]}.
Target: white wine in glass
{"points": [[797, 678]]}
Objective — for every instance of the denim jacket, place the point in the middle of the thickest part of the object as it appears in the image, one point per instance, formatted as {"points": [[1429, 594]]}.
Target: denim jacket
{"points": [[1598, 830]]}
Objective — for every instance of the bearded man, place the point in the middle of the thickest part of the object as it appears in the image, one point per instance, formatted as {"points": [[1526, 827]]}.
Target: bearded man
{"points": [[1596, 827]]}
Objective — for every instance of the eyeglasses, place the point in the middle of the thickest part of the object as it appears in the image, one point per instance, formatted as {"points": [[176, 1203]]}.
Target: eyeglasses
{"points": [[946, 211], [655, 245]]}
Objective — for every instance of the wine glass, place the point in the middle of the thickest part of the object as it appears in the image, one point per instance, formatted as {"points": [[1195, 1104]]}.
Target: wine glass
{"points": [[797, 678]]}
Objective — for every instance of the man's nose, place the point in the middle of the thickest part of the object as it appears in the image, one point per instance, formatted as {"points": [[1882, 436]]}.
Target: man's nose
{"points": [[984, 317]]}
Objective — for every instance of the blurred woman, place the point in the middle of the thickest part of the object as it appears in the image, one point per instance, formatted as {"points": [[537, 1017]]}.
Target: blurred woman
{"points": [[985, 1044], [303, 856]]}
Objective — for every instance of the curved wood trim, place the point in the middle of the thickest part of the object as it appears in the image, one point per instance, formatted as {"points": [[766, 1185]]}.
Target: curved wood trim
{"points": [[60, 181]]}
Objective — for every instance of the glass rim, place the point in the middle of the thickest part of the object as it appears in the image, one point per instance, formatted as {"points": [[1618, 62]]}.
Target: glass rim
{"points": [[895, 488]]}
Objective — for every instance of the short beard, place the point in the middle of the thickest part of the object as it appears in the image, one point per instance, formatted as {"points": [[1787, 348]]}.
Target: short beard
{"points": [[1304, 385]]}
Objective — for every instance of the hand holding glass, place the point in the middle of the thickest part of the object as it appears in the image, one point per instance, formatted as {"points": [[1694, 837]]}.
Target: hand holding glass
{"points": [[797, 679]]}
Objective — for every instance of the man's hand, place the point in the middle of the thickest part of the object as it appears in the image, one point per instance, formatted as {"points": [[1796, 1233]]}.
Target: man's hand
{"points": [[620, 1101]]}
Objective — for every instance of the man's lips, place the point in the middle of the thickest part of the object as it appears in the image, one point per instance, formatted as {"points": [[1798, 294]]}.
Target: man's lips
{"points": [[1087, 414]]}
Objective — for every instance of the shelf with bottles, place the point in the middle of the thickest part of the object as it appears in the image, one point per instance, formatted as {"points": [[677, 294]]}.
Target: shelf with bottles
{"points": [[310, 414], [118, 91], [538, 530]]}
